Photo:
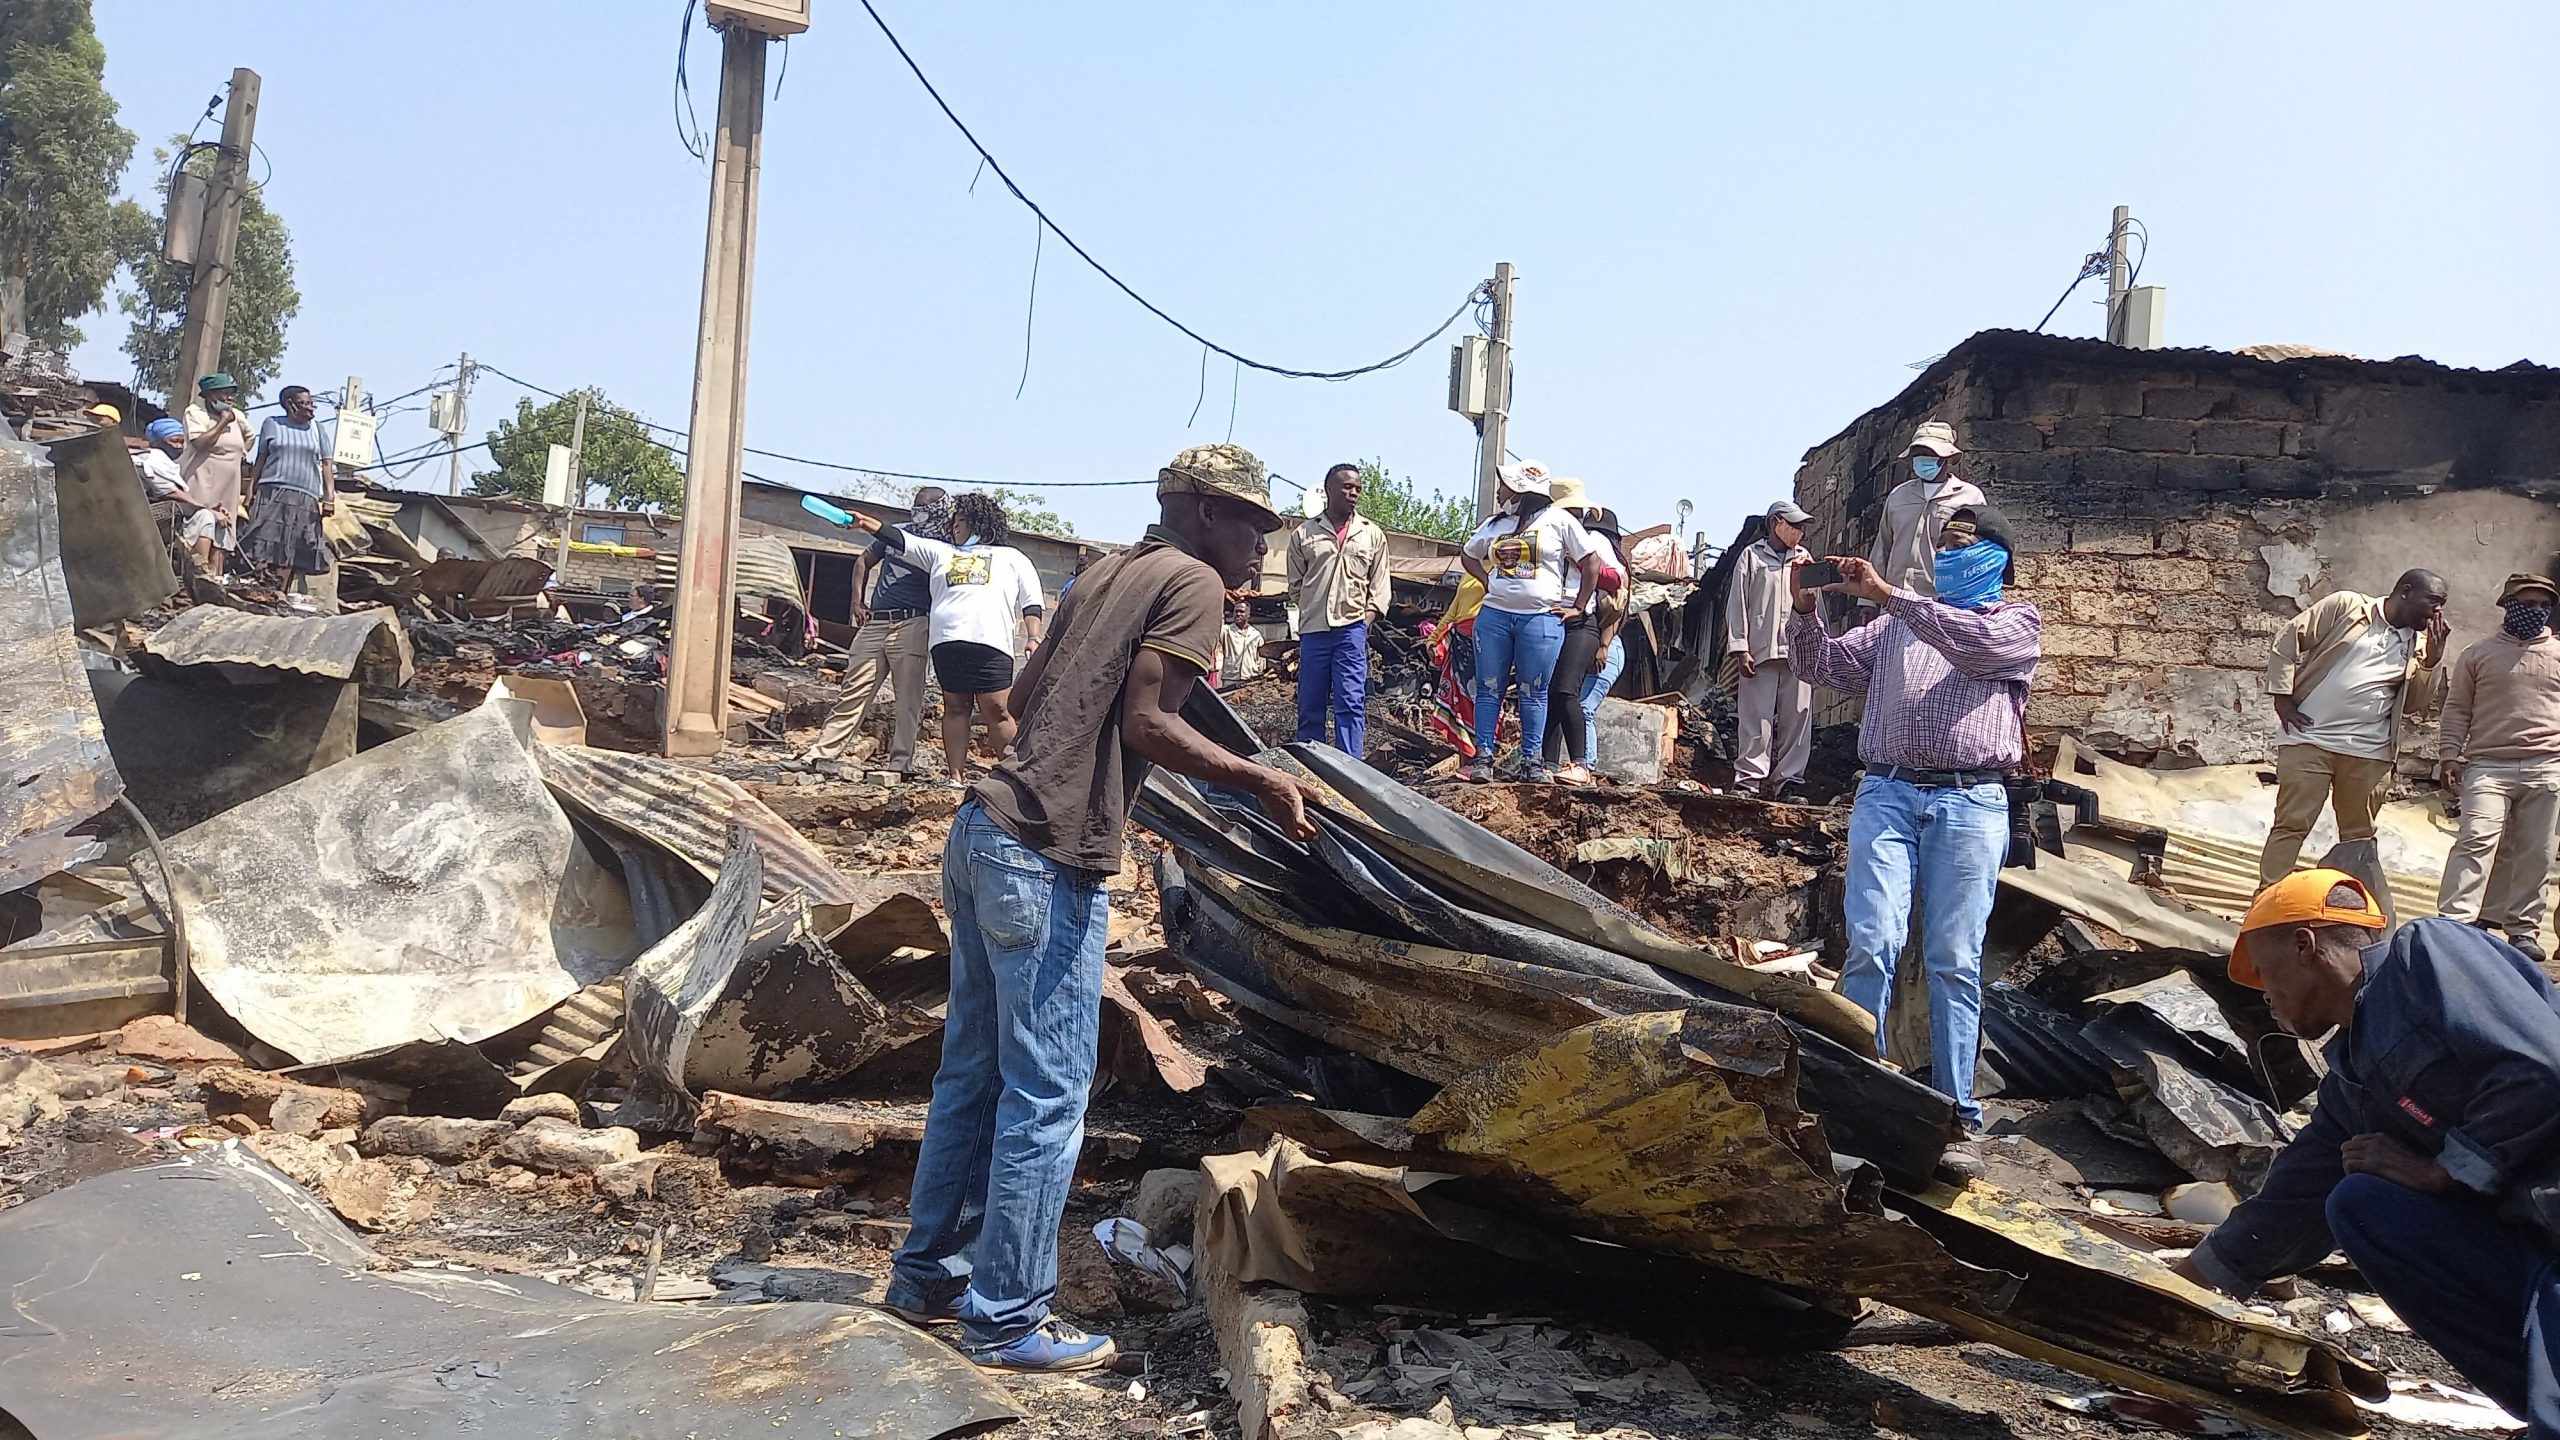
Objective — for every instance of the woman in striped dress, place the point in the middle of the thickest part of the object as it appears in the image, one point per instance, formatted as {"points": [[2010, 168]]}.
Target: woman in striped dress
{"points": [[296, 486]]}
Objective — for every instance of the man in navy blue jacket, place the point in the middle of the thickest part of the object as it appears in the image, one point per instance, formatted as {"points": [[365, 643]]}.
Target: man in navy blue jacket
{"points": [[2433, 1156]]}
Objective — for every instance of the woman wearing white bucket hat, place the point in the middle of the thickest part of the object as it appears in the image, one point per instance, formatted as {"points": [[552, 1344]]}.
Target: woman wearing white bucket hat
{"points": [[1529, 559]]}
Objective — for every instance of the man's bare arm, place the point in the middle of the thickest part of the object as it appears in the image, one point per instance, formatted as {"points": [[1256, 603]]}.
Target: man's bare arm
{"points": [[1151, 724]]}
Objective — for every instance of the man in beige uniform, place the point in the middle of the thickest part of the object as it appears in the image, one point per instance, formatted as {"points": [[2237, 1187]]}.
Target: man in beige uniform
{"points": [[2501, 747], [1337, 573], [2342, 675], [1773, 721], [1918, 509]]}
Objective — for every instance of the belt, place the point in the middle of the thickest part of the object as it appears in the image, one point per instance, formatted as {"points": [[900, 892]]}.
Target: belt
{"points": [[897, 614], [1938, 779]]}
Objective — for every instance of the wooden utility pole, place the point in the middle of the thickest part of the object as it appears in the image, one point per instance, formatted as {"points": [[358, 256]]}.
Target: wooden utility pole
{"points": [[577, 487], [1497, 392], [209, 288], [457, 419], [697, 706]]}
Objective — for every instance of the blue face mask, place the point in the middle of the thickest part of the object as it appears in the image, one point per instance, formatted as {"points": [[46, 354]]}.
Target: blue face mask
{"points": [[1926, 467], [1969, 579]]}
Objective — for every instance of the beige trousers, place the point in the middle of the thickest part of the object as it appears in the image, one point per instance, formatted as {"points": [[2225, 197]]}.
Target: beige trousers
{"points": [[2499, 869], [1773, 716], [2308, 778], [891, 650]]}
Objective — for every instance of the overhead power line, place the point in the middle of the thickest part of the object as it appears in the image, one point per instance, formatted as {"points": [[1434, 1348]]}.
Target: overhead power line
{"points": [[988, 158]]}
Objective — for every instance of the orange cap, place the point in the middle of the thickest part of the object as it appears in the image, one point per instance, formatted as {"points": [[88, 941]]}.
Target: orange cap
{"points": [[2301, 898]]}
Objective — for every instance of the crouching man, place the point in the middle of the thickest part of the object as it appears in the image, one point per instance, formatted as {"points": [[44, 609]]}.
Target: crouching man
{"points": [[2433, 1156], [1022, 880]]}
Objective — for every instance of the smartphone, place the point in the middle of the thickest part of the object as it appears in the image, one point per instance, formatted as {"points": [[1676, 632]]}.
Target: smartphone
{"points": [[1815, 573]]}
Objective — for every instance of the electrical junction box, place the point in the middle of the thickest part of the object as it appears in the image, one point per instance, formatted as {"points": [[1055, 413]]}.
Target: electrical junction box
{"points": [[2146, 317], [444, 413], [1470, 372], [774, 18]]}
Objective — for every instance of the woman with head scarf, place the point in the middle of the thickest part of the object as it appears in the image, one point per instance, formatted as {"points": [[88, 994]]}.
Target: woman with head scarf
{"points": [[1539, 569]]}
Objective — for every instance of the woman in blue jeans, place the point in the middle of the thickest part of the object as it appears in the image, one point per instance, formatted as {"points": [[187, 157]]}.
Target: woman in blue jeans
{"points": [[1528, 558]]}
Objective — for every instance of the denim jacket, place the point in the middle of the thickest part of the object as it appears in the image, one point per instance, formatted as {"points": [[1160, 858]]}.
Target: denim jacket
{"points": [[2454, 1050]]}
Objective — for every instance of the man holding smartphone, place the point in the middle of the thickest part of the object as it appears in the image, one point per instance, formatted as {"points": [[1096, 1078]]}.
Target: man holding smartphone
{"points": [[1945, 681], [1773, 725]]}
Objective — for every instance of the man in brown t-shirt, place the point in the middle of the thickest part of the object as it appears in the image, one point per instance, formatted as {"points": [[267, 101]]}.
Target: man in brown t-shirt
{"points": [[1022, 879]]}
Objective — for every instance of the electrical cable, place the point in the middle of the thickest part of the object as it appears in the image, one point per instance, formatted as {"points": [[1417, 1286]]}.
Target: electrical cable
{"points": [[688, 121], [1030, 308], [2092, 265], [1204, 389], [1123, 286]]}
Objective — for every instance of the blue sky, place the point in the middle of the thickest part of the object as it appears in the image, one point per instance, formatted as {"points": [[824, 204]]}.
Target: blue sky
{"points": [[1735, 226]]}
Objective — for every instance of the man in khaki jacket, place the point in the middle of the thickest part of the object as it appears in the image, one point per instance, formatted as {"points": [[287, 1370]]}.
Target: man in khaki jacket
{"points": [[2342, 675], [2501, 749], [1338, 579]]}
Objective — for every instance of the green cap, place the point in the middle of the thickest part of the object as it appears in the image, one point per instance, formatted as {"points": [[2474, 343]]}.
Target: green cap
{"points": [[1228, 470], [218, 380]]}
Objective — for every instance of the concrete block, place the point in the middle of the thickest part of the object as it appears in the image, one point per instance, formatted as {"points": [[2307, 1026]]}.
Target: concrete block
{"points": [[2199, 472], [2168, 437], [2239, 437], [2183, 402], [2282, 477], [562, 1148], [2065, 573], [1632, 744], [2012, 436], [2107, 397], [2206, 614], [2213, 540], [2022, 470], [2078, 432], [2257, 403], [2120, 470], [2079, 640], [2059, 711], [2160, 647], [2168, 574], [2036, 535], [2081, 607], [2237, 651], [2113, 537]]}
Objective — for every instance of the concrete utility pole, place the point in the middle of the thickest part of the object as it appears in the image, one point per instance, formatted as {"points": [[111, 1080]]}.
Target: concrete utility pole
{"points": [[697, 707], [2116, 274], [1497, 392], [577, 486], [458, 418], [209, 288]]}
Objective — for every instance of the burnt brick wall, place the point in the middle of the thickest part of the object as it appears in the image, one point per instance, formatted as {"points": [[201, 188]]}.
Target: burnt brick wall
{"points": [[2148, 490]]}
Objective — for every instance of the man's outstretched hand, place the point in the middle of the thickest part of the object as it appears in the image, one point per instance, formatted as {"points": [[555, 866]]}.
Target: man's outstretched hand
{"points": [[1285, 798]]}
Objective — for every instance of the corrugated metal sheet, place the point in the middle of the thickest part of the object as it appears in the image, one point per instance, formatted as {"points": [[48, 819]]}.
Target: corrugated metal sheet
{"points": [[766, 566], [367, 645], [55, 771], [689, 812]]}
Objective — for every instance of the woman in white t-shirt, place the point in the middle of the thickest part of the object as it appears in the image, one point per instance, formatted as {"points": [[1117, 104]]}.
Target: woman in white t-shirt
{"points": [[1529, 559], [980, 585]]}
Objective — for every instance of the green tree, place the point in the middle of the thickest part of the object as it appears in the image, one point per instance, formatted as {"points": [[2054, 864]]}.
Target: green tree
{"points": [[263, 299], [60, 153], [1024, 511], [637, 472], [1392, 503]]}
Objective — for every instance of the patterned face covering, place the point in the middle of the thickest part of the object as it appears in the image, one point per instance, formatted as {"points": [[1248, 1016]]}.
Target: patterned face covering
{"points": [[2526, 619], [1969, 579]]}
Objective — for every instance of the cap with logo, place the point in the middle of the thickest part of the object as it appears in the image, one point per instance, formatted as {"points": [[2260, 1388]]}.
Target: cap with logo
{"points": [[1225, 470], [1525, 477], [2521, 581], [2301, 898], [1935, 436], [1789, 511]]}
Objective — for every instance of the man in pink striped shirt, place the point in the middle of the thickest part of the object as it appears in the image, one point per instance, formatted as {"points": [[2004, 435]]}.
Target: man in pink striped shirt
{"points": [[1945, 682]]}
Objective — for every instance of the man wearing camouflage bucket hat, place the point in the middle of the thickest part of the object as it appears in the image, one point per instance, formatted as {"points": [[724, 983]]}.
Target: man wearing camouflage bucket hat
{"points": [[1022, 882]]}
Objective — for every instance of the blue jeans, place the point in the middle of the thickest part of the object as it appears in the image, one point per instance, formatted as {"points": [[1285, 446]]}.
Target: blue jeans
{"points": [[1595, 689], [1333, 672], [2482, 1292], [1514, 649], [1952, 840], [1018, 1047]]}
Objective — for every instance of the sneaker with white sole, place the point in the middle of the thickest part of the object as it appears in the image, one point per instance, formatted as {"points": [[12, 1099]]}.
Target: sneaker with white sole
{"points": [[1056, 1347]]}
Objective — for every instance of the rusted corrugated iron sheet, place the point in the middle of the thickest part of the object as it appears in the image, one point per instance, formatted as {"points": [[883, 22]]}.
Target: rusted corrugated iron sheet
{"points": [[55, 771], [689, 812], [366, 645]]}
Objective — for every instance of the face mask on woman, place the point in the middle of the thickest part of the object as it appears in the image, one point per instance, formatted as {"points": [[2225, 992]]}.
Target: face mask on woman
{"points": [[1925, 468]]}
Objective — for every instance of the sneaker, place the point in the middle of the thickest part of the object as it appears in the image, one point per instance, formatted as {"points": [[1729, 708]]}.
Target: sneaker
{"points": [[1573, 775], [1535, 775], [1962, 1162], [2530, 948], [1055, 1348], [1480, 773]]}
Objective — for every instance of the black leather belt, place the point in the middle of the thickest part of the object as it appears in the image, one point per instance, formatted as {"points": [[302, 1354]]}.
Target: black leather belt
{"points": [[1938, 779], [897, 614]]}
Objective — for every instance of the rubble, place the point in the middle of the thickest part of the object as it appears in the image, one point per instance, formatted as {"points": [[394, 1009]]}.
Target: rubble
{"points": [[559, 1147]]}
